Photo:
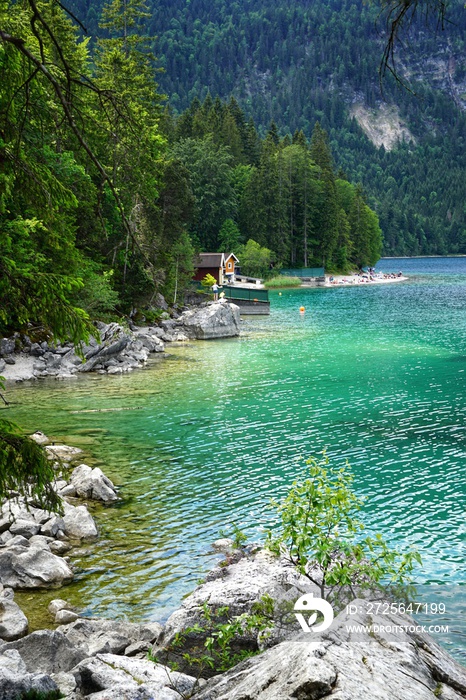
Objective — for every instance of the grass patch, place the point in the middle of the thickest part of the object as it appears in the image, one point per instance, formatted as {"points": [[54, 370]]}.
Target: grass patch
{"points": [[38, 695], [282, 281]]}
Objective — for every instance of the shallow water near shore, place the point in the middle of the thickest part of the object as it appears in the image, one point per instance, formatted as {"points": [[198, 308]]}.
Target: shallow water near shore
{"points": [[374, 374]]}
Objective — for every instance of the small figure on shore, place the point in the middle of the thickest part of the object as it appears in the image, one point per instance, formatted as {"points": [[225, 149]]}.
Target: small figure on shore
{"points": [[215, 289]]}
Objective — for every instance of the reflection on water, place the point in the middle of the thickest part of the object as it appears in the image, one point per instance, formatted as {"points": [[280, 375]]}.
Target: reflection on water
{"points": [[374, 374]]}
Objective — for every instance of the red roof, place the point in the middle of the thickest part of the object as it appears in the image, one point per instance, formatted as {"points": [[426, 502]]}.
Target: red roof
{"points": [[213, 259]]}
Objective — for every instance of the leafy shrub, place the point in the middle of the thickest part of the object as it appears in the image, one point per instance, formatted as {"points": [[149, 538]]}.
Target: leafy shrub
{"points": [[319, 532], [208, 281]]}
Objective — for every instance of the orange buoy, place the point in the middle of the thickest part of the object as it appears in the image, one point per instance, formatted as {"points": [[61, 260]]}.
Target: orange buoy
{"points": [[302, 309]]}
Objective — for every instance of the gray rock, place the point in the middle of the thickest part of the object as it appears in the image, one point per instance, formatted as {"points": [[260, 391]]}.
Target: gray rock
{"points": [[347, 665], [15, 681], [108, 676], [17, 509], [5, 537], [10, 360], [212, 321], [58, 604], [47, 651], [5, 523], [41, 540], [40, 438], [18, 541], [63, 617], [225, 544], [151, 631], [59, 548], [92, 483], [7, 346], [53, 361], [13, 622], [60, 484], [137, 649], [160, 302], [238, 587], [32, 566], [68, 490], [152, 342], [157, 332], [26, 528], [66, 682], [36, 350], [289, 670], [52, 526], [106, 636], [79, 523], [62, 453]]}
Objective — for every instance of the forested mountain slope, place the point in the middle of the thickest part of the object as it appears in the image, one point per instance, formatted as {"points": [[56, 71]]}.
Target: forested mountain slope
{"points": [[318, 61]]}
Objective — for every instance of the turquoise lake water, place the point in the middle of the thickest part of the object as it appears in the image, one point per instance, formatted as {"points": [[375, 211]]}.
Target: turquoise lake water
{"points": [[374, 374]]}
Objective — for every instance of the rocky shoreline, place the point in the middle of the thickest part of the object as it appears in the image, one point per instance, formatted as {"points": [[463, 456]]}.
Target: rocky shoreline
{"points": [[94, 659], [98, 659], [115, 349]]}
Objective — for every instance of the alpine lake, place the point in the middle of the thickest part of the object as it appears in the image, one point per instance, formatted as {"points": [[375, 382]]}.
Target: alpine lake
{"points": [[374, 374]]}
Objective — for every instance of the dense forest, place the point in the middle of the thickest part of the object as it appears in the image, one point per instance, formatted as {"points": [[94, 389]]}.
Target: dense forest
{"points": [[106, 194], [313, 61]]}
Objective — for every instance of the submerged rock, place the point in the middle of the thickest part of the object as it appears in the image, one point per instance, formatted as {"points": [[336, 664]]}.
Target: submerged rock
{"points": [[62, 453]]}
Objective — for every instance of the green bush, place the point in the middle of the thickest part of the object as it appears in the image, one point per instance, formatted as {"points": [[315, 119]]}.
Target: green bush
{"points": [[319, 532], [208, 281]]}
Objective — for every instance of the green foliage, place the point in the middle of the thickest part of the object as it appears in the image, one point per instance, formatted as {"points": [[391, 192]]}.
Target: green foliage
{"points": [[221, 650], [29, 293], [254, 259], [321, 535], [208, 281], [229, 237], [209, 166], [38, 695], [25, 469], [96, 296], [238, 536], [282, 281]]}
